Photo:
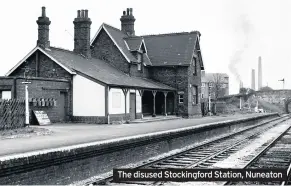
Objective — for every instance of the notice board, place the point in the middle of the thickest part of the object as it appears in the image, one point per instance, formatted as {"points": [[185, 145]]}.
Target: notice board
{"points": [[42, 117]]}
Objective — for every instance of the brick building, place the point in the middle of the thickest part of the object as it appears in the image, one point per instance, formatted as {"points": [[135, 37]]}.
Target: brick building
{"points": [[117, 75], [214, 83]]}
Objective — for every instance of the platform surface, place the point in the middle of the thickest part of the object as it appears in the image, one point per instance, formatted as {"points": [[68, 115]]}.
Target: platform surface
{"points": [[65, 134]]}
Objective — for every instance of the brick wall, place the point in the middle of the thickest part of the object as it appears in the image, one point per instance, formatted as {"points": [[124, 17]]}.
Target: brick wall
{"points": [[44, 68], [176, 77], [105, 49], [6, 84], [194, 109], [43, 88]]}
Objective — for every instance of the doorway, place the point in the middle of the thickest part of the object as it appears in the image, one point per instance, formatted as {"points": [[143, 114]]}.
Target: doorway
{"points": [[132, 108], [62, 106]]}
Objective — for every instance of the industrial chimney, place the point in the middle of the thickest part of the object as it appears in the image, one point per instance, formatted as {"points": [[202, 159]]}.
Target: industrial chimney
{"points": [[260, 73], [253, 80]]}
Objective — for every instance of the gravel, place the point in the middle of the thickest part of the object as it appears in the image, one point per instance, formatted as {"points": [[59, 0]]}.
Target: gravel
{"points": [[24, 133]]}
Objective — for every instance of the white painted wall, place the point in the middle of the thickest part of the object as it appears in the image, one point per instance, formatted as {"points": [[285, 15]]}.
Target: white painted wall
{"points": [[88, 97]]}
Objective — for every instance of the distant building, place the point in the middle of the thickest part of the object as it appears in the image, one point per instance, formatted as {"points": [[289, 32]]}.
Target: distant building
{"points": [[216, 83]]}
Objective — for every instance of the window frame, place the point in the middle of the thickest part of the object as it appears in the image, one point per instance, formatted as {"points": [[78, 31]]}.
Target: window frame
{"points": [[195, 66], [139, 67], [181, 97], [5, 94], [139, 61], [195, 96]]}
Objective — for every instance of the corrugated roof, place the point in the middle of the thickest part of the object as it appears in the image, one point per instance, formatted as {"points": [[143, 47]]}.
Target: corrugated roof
{"points": [[171, 49], [101, 70]]}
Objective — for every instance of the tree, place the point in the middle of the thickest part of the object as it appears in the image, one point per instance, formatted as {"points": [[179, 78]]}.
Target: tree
{"points": [[217, 83], [242, 90], [266, 88]]}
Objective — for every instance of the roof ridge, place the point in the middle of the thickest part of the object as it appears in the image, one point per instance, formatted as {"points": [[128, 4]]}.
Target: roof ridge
{"points": [[62, 49], [171, 33], [112, 27], [133, 37]]}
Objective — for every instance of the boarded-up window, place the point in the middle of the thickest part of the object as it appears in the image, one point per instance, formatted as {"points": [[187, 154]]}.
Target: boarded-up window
{"points": [[116, 100], [6, 94]]}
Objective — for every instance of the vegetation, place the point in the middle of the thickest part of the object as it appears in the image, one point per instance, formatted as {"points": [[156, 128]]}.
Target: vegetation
{"points": [[266, 88]]}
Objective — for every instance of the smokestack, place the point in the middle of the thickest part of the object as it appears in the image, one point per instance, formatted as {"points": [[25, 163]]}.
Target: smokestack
{"points": [[253, 80], [260, 73]]}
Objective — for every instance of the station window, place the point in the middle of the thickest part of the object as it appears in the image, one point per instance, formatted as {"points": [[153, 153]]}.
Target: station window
{"points": [[195, 94], [195, 66], [139, 66], [181, 98], [139, 60], [6, 94]]}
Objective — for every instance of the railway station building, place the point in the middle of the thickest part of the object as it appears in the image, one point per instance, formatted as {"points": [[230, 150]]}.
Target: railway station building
{"points": [[116, 75]]}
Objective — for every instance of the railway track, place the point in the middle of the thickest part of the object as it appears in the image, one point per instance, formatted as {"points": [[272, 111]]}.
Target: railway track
{"points": [[276, 155], [204, 155]]}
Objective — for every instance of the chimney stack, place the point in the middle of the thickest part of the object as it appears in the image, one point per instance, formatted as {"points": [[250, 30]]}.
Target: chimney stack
{"points": [[43, 30], [82, 33], [260, 73], [127, 22], [241, 84], [253, 80]]}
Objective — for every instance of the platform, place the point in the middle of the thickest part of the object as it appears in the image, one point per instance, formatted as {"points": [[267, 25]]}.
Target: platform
{"points": [[66, 134], [148, 119]]}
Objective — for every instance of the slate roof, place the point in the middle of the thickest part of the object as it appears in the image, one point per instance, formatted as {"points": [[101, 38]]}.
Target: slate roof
{"points": [[162, 50], [101, 70], [210, 77], [133, 42], [171, 49], [118, 37]]}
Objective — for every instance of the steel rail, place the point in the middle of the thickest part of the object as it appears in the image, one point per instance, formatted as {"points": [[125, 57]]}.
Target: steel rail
{"points": [[107, 179]]}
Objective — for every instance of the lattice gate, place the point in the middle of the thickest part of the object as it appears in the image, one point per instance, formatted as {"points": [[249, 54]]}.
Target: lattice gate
{"points": [[12, 114]]}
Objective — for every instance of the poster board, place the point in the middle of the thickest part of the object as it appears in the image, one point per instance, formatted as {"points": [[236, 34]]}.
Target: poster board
{"points": [[42, 117]]}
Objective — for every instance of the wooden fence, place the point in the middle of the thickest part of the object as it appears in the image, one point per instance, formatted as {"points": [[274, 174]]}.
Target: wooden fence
{"points": [[12, 114]]}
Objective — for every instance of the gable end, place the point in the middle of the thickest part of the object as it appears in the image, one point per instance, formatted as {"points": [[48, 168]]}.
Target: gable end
{"points": [[32, 55], [112, 39]]}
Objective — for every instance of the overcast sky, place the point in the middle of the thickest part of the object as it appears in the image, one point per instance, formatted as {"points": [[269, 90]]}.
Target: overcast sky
{"points": [[234, 32]]}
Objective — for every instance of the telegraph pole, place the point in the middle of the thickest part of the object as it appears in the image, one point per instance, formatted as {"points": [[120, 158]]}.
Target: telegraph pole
{"points": [[26, 82], [209, 97]]}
